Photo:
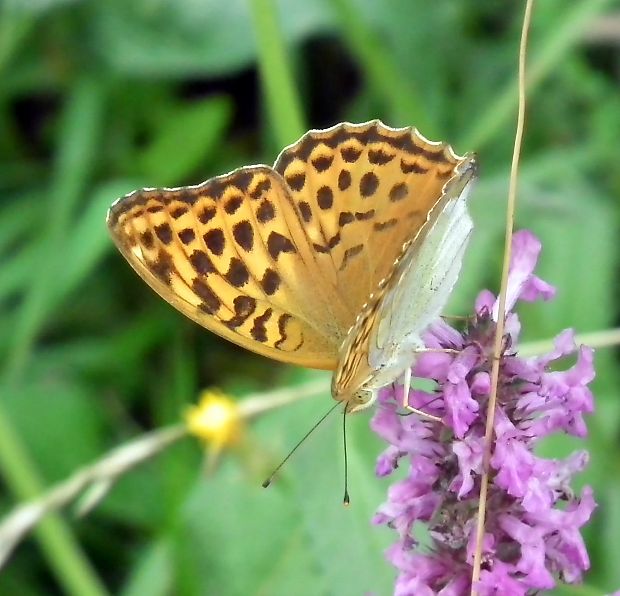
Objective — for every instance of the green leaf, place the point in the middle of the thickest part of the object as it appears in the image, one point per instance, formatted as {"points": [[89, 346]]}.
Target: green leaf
{"points": [[72, 433], [152, 572], [89, 240], [200, 38], [339, 538], [580, 265], [236, 538], [187, 138]]}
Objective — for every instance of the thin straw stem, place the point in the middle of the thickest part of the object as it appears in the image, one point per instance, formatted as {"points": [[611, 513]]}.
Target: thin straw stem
{"points": [[499, 333]]}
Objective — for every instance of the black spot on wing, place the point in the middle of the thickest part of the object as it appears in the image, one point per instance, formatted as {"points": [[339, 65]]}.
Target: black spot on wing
{"points": [[265, 212], [305, 210], [350, 253], [412, 167], [243, 234], [215, 241], [346, 217], [277, 244], [237, 273], [147, 239], [201, 262], [242, 180], [207, 214], [163, 266], [369, 184], [233, 204], [178, 212], [350, 154], [325, 197], [398, 192], [322, 162], [270, 282], [344, 179], [261, 188], [380, 157], [164, 233], [187, 235], [296, 181], [244, 307], [259, 331], [210, 302]]}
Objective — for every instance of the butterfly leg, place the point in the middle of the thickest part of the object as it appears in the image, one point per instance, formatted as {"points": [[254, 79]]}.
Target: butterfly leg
{"points": [[406, 387], [436, 351], [405, 404]]}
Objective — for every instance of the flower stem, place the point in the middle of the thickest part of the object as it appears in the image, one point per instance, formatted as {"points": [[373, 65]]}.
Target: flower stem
{"points": [[257, 404], [595, 339], [499, 332], [91, 483]]}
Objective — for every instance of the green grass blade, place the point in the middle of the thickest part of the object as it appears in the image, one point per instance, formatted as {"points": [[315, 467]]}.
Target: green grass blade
{"points": [[66, 559], [81, 124], [283, 103], [501, 110], [382, 73]]}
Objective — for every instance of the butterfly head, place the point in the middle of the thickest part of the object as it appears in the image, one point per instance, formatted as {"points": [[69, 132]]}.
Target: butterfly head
{"points": [[355, 397], [360, 400]]}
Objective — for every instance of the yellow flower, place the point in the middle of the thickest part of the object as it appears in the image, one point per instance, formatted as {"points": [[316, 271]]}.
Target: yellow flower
{"points": [[215, 419]]}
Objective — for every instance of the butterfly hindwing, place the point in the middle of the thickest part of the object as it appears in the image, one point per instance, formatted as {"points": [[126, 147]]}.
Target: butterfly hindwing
{"points": [[383, 341], [422, 281]]}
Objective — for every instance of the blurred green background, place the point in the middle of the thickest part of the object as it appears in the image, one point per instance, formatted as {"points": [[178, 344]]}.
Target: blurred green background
{"points": [[98, 98]]}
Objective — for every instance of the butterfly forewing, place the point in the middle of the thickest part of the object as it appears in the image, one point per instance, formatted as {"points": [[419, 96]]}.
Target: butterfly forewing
{"points": [[362, 191], [229, 254]]}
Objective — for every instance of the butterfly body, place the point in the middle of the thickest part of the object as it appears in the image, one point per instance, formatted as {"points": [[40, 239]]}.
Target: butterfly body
{"points": [[337, 258]]}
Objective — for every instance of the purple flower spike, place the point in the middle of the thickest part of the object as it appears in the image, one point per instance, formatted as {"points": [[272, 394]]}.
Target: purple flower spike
{"points": [[533, 517], [522, 283]]}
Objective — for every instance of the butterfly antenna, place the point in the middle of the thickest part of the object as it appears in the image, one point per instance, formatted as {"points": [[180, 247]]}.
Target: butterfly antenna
{"points": [[345, 499], [269, 480]]}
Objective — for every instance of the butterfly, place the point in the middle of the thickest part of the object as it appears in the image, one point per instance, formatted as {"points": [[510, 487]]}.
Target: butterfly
{"points": [[338, 257]]}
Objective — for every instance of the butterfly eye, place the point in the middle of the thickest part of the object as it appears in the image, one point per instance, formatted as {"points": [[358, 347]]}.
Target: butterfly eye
{"points": [[361, 399]]}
